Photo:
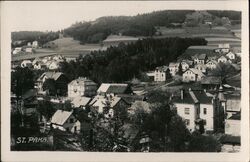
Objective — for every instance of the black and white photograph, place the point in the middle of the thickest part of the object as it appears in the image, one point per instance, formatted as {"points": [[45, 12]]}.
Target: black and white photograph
{"points": [[144, 79]]}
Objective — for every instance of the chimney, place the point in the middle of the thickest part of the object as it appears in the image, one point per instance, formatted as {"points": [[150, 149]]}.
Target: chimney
{"points": [[182, 94]]}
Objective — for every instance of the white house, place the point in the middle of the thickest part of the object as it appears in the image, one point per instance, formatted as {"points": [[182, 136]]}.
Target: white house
{"points": [[29, 50], [192, 74], [17, 50], [65, 121], [114, 88], [196, 105], [211, 64], [54, 65], [82, 87], [173, 68], [232, 125], [26, 63], [201, 67], [160, 74], [186, 64], [222, 59], [58, 58], [231, 55], [34, 44], [223, 48], [37, 66], [199, 58]]}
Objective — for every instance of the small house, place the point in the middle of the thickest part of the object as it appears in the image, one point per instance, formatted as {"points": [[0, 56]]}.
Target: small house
{"points": [[65, 121], [211, 64], [160, 74], [201, 67], [173, 68], [222, 59], [192, 74], [231, 55], [26, 63]]}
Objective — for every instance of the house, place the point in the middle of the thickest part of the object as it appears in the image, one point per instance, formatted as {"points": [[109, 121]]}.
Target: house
{"points": [[65, 121], [199, 58], [29, 44], [231, 55], [109, 105], [28, 50], [186, 64], [232, 125], [34, 44], [82, 87], [192, 74], [61, 82], [211, 83], [223, 48], [193, 106], [26, 63], [201, 67], [222, 59], [37, 66], [173, 68], [17, 50], [53, 65], [211, 64], [114, 88], [58, 58], [233, 104], [80, 101], [160, 74]]}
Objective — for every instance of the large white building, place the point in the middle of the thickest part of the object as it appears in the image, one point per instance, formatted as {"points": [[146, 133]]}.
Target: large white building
{"points": [[198, 105], [173, 68], [160, 74], [81, 87]]}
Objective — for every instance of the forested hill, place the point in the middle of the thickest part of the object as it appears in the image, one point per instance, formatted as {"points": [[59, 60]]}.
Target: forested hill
{"points": [[122, 63], [141, 24]]}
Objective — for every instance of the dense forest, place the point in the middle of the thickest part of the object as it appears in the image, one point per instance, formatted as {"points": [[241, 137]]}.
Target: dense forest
{"points": [[139, 25], [29, 36], [122, 63]]}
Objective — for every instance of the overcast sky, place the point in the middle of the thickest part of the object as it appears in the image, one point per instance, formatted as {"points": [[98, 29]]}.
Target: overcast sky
{"points": [[60, 14]]}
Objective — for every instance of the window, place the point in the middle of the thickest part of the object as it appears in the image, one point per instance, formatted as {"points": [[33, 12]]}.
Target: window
{"points": [[186, 111], [204, 111], [187, 121]]}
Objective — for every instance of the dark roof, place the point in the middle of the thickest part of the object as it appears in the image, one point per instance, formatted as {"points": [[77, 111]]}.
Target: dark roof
{"points": [[235, 116], [202, 56], [131, 98], [228, 139], [192, 97]]}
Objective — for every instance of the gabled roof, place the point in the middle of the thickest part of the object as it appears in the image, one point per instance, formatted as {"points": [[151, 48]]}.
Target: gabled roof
{"points": [[193, 97], [82, 81], [195, 71], [202, 56], [80, 101], [162, 68], [173, 64], [113, 88], [50, 75], [101, 101], [60, 117], [212, 61]]}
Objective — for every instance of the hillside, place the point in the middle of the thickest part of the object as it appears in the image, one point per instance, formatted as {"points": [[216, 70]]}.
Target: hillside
{"points": [[146, 24]]}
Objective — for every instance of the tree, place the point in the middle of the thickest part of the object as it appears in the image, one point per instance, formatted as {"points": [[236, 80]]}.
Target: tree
{"points": [[223, 70], [180, 71], [201, 143], [50, 86], [46, 109], [21, 81]]}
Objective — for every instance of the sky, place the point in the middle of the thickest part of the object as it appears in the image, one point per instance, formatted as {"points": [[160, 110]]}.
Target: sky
{"points": [[42, 16]]}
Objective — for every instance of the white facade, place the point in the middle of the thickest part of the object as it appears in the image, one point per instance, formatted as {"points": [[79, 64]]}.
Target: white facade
{"points": [[184, 66], [35, 44], [231, 55], [173, 68], [53, 65], [192, 75], [17, 50], [232, 127], [211, 64], [222, 59], [29, 50], [201, 67], [207, 114], [189, 113], [25, 63]]}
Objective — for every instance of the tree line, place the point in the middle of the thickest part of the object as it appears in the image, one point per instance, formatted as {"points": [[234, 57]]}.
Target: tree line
{"points": [[125, 62]]}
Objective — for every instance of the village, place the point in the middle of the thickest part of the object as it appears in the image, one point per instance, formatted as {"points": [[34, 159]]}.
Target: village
{"points": [[199, 94]]}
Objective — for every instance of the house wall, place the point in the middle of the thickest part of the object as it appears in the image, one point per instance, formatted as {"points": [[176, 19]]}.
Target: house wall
{"points": [[232, 127], [231, 56], [160, 76], [81, 90], [191, 116], [184, 66], [223, 60], [211, 65], [188, 76], [209, 116]]}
